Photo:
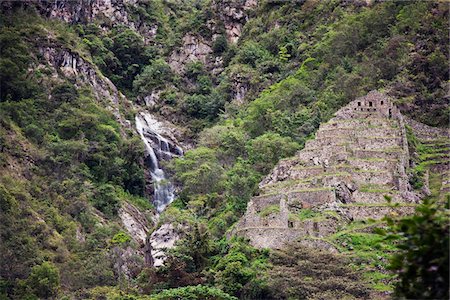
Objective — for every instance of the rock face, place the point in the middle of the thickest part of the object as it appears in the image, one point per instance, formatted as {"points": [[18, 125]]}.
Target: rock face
{"points": [[134, 222], [357, 158], [160, 240], [234, 15], [194, 48], [109, 12], [68, 64]]}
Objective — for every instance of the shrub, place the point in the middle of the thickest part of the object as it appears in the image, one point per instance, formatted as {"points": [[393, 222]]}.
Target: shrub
{"points": [[198, 171], [199, 292], [252, 53], [265, 150], [34, 133], [220, 44], [44, 280], [64, 93], [153, 76], [106, 200], [204, 106], [120, 238], [422, 263]]}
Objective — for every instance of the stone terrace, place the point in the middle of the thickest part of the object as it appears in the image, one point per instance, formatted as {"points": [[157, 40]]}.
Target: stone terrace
{"points": [[357, 159]]}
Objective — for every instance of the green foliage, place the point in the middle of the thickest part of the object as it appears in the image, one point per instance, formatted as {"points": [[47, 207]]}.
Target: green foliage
{"points": [[120, 238], [199, 292], [199, 172], [241, 183], [238, 266], [220, 44], [268, 210], [265, 150], [106, 200], [300, 273], [251, 53], [14, 84], [44, 280], [283, 54], [422, 264], [204, 106], [64, 93], [7, 201], [154, 76]]}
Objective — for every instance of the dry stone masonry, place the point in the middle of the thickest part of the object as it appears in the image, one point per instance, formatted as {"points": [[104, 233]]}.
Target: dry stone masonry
{"points": [[357, 160]]}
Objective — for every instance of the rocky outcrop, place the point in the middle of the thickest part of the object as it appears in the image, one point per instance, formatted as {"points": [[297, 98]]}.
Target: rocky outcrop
{"points": [[70, 65], [357, 159], [234, 15], [162, 239], [135, 222], [109, 13], [194, 48]]}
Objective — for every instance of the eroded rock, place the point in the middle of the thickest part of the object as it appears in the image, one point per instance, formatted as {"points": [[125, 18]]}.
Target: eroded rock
{"points": [[162, 239]]}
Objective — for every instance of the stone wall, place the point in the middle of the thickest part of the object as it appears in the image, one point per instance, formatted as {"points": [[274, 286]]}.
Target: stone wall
{"points": [[358, 157]]}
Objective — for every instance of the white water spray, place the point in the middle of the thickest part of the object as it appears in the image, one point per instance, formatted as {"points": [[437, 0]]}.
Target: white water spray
{"points": [[157, 148]]}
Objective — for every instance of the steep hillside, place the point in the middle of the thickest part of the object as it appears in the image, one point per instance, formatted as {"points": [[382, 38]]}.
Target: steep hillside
{"points": [[134, 134]]}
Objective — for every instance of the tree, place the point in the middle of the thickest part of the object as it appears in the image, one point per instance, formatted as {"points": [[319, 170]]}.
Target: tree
{"points": [[44, 280], [154, 76], [422, 263], [283, 54], [220, 44], [106, 200], [198, 171], [265, 150]]}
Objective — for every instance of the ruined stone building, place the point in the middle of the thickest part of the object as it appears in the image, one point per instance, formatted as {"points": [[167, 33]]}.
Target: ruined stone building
{"points": [[357, 160]]}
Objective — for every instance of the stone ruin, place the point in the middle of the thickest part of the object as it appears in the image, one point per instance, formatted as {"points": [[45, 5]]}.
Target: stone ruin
{"points": [[357, 160]]}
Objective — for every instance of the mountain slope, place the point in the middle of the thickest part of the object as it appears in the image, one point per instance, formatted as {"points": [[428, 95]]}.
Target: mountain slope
{"points": [[244, 84]]}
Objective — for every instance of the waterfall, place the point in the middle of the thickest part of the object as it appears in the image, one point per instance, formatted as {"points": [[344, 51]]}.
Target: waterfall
{"points": [[157, 148]]}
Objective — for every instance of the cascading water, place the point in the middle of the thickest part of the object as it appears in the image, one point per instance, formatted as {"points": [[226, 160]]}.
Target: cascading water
{"points": [[157, 148]]}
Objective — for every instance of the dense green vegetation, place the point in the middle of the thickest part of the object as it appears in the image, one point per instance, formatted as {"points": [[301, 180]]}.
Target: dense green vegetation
{"points": [[67, 165], [422, 263]]}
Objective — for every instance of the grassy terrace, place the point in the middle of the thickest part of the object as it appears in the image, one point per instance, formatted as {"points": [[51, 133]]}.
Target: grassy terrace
{"points": [[288, 183], [376, 188], [386, 150], [313, 216], [356, 204], [268, 210], [372, 171], [352, 128], [372, 159]]}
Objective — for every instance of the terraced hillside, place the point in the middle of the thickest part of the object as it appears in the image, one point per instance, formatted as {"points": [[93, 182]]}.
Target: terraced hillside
{"points": [[358, 161], [430, 147]]}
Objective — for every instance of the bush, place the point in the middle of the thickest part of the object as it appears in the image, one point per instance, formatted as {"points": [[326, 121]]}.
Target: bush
{"points": [[199, 292], [106, 200], [44, 280], [220, 44], [204, 106], [153, 76], [198, 171], [64, 93], [422, 263], [14, 61], [34, 133], [120, 238], [252, 53], [266, 150]]}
